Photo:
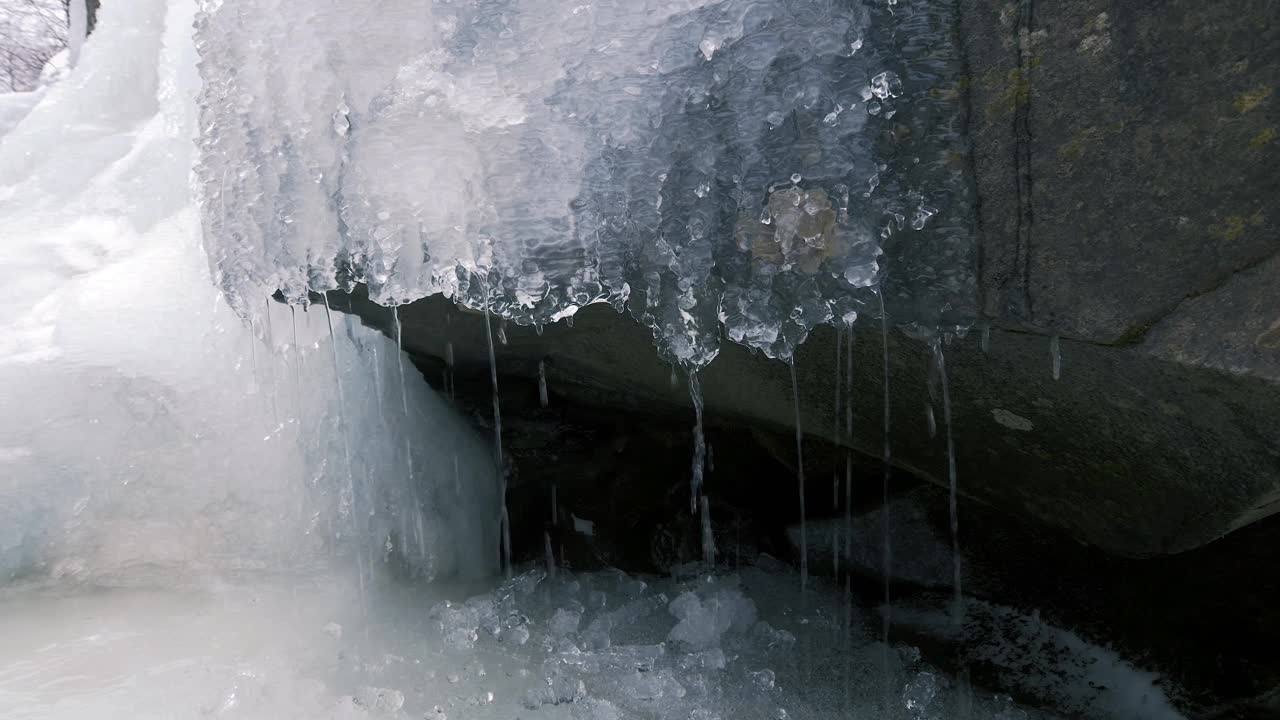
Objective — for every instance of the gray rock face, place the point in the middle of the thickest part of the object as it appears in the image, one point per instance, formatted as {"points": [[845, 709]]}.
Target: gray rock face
{"points": [[1123, 158], [1134, 453]]}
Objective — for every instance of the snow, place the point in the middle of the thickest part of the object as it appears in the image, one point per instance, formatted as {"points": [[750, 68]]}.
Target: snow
{"points": [[149, 426]]}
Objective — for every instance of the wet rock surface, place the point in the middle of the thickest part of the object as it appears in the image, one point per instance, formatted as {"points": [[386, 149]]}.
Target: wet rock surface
{"points": [[1134, 454]]}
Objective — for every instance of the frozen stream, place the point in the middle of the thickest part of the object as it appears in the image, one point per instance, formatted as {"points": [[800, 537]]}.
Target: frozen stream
{"points": [[208, 512]]}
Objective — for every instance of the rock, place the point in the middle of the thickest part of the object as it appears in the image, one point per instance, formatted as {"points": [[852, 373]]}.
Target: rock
{"points": [[1124, 157], [1128, 451]]}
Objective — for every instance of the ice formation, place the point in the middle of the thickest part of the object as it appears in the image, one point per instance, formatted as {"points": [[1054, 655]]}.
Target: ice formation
{"points": [[735, 167], [146, 425]]}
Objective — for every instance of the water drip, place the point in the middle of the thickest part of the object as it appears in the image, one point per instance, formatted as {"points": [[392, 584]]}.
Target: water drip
{"points": [[951, 480], [548, 554], [543, 400], [297, 367], [253, 355], [697, 499], [419, 534], [342, 415], [1055, 356], [887, 458], [804, 536], [848, 453], [350, 500], [448, 367], [504, 518], [835, 474], [708, 538]]}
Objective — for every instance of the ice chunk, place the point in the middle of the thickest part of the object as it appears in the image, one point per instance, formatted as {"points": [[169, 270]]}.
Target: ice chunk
{"points": [[702, 622]]}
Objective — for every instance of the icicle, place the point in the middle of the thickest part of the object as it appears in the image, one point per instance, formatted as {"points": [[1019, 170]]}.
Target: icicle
{"points": [[804, 531], [1055, 356], [505, 517], [887, 458], [675, 381], [543, 400], [986, 339], [502, 331], [930, 422]]}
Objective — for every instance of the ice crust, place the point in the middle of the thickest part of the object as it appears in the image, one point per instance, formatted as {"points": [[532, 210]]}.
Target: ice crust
{"points": [[719, 166]]}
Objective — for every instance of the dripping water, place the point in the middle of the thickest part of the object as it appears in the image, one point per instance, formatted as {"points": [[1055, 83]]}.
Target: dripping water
{"points": [[848, 453], [1055, 356], [835, 474], [253, 354], [848, 517], [549, 554], [297, 367], [350, 500], [887, 457], [543, 399], [986, 339], [419, 533], [697, 499], [958, 609], [448, 367], [377, 378], [940, 358], [804, 537], [504, 519], [271, 367]]}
